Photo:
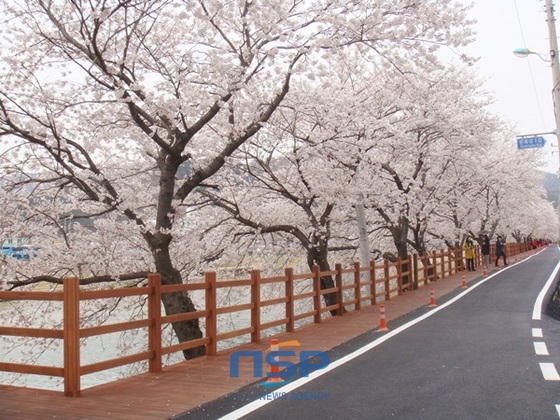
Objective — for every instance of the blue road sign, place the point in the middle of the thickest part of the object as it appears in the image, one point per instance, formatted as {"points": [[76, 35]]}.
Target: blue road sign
{"points": [[530, 142]]}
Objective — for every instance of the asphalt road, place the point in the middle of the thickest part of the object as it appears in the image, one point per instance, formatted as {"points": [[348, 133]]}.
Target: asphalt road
{"points": [[485, 352]]}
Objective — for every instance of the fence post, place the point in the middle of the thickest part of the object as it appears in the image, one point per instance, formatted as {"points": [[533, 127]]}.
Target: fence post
{"points": [[415, 271], [425, 266], [449, 261], [256, 306], [71, 302], [357, 285], [387, 285], [442, 253], [399, 276], [289, 272], [211, 317], [455, 267], [410, 285], [476, 255], [338, 285], [317, 296], [435, 273], [154, 314], [373, 280]]}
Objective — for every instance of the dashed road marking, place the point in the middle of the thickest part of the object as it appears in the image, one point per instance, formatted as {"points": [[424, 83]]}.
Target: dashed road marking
{"points": [[537, 332], [540, 348], [549, 372]]}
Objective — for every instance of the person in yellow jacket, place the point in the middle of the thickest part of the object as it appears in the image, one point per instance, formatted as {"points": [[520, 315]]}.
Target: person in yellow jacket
{"points": [[468, 247]]}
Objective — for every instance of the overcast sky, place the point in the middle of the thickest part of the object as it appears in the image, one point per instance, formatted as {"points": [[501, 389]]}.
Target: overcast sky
{"points": [[522, 87]]}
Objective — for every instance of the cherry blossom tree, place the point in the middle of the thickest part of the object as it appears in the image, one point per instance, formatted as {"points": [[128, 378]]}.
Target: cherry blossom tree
{"points": [[121, 109], [490, 202], [381, 122], [432, 136]]}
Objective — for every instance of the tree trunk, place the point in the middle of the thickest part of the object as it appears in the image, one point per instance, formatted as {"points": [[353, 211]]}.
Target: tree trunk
{"points": [[420, 247], [179, 302], [318, 256], [400, 238], [430, 270], [402, 252]]}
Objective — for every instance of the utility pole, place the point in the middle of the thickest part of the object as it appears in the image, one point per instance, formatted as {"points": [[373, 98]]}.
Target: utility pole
{"points": [[554, 65], [363, 233]]}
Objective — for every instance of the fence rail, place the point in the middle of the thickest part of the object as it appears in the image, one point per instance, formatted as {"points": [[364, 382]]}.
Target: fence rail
{"points": [[379, 281]]}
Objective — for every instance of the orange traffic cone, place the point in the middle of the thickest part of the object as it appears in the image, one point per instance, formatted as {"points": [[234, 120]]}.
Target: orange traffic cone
{"points": [[464, 285], [485, 271], [274, 369], [432, 298], [382, 320]]}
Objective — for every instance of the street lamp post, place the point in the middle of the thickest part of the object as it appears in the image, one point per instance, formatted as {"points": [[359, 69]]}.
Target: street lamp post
{"points": [[555, 78], [555, 69], [554, 65]]}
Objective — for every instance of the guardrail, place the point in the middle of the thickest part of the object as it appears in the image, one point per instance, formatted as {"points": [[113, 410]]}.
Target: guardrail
{"points": [[354, 287]]}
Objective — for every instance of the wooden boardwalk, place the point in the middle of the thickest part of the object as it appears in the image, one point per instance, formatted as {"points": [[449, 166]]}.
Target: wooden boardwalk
{"points": [[184, 386]]}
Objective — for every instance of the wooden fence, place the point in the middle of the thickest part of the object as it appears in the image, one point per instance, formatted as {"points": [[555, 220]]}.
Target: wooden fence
{"points": [[354, 287]]}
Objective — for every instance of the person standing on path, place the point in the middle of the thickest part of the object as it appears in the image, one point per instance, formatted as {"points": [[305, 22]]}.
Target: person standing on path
{"points": [[501, 251], [468, 247], [485, 250]]}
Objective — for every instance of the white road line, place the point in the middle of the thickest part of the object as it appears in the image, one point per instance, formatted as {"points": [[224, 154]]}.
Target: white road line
{"points": [[558, 409], [255, 405], [540, 348], [549, 372], [537, 309], [537, 333]]}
